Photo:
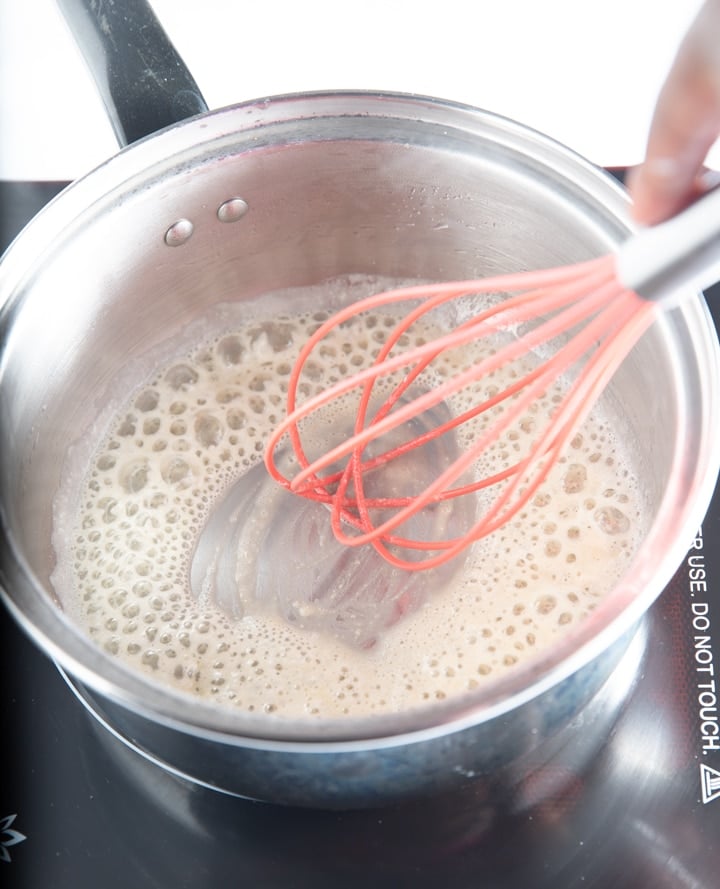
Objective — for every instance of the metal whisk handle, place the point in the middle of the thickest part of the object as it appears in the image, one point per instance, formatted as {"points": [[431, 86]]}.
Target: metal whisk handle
{"points": [[667, 260]]}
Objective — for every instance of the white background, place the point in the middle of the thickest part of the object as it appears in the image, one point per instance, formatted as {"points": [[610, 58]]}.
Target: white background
{"points": [[585, 72]]}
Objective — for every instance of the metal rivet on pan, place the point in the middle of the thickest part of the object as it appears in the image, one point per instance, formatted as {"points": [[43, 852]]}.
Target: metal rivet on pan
{"points": [[232, 210], [179, 232]]}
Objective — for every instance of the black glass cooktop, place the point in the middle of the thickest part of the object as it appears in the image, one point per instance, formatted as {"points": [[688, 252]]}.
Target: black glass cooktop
{"points": [[635, 806]]}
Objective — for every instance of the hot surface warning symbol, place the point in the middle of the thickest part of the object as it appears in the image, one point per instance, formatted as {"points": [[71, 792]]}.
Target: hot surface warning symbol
{"points": [[710, 783]]}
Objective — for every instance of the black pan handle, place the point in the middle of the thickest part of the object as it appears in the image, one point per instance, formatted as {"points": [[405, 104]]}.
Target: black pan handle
{"points": [[142, 80]]}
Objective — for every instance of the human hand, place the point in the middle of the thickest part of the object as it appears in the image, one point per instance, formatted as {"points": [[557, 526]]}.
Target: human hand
{"points": [[685, 124]]}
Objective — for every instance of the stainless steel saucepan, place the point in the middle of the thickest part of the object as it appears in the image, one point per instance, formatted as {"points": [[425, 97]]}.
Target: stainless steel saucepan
{"points": [[289, 191]]}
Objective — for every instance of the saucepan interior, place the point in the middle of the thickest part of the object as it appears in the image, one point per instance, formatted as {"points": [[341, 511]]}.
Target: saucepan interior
{"points": [[290, 192]]}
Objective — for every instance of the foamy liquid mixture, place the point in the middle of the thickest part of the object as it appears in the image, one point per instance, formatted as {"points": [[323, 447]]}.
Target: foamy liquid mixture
{"points": [[196, 424]]}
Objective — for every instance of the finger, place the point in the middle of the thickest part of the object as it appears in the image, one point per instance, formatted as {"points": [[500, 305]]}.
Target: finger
{"points": [[685, 124]]}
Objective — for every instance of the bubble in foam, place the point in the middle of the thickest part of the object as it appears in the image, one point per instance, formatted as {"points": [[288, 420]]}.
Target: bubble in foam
{"points": [[575, 478], [134, 475], [612, 520], [231, 349], [181, 377], [147, 400], [208, 430]]}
